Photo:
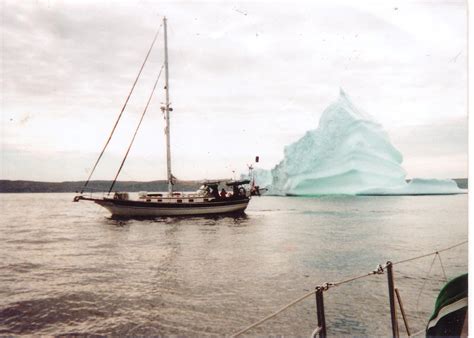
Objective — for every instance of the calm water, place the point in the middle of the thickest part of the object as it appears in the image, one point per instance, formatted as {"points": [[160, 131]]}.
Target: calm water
{"points": [[67, 268]]}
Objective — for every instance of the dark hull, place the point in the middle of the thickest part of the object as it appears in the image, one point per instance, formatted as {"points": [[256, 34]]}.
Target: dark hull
{"points": [[131, 208]]}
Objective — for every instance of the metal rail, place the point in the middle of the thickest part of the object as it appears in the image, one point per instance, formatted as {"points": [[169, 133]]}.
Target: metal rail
{"points": [[320, 312], [321, 329], [391, 296]]}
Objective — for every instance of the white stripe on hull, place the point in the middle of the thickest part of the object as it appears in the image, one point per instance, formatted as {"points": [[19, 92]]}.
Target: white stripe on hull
{"points": [[124, 210]]}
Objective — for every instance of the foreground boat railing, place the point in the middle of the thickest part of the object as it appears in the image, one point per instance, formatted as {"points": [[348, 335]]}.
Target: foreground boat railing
{"points": [[394, 297]]}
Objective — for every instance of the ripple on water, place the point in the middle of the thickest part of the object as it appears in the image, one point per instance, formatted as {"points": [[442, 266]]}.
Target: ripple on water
{"points": [[68, 268], [34, 316], [24, 267]]}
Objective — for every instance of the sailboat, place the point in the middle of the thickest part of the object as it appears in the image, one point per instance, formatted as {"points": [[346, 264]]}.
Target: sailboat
{"points": [[207, 200]]}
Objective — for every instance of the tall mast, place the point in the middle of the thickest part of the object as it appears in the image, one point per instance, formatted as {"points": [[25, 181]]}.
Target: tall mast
{"points": [[167, 113]]}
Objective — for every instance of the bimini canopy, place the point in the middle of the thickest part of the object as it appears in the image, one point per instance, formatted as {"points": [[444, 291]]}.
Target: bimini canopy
{"points": [[211, 183], [235, 183]]}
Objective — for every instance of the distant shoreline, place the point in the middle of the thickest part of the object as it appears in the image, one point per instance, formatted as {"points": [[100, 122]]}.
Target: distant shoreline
{"points": [[20, 186]]}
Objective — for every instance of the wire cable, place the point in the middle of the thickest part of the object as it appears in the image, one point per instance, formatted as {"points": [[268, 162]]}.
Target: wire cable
{"points": [[424, 284], [326, 286], [273, 314], [136, 131], [442, 268], [431, 253], [123, 108]]}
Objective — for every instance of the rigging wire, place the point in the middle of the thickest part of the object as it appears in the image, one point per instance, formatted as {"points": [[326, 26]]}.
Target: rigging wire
{"points": [[273, 314], [380, 269], [442, 268], [418, 333], [136, 130], [423, 286], [123, 108], [431, 253], [437, 254]]}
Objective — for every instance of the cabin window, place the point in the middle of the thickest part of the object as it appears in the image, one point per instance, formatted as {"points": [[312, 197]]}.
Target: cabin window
{"points": [[179, 201], [206, 200], [148, 200], [160, 200], [191, 200]]}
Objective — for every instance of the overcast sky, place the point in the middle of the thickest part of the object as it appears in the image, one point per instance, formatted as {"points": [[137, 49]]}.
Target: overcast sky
{"points": [[247, 78]]}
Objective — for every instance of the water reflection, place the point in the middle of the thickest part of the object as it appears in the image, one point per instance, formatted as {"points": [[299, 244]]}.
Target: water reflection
{"points": [[237, 219]]}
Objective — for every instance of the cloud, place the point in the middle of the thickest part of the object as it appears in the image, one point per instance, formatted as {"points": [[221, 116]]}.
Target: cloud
{"points": [[258, 73], [435, 150]]}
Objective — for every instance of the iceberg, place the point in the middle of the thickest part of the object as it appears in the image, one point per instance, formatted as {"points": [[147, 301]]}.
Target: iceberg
{"points": [[419, 186], [349, 153]]}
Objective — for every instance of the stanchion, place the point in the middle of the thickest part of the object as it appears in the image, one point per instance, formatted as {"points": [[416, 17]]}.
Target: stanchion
{"points": [[320, 312], [391, 295]]}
